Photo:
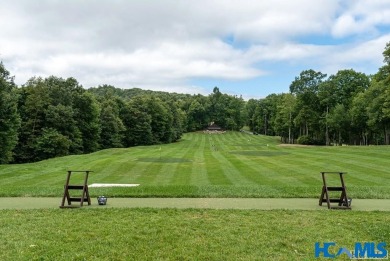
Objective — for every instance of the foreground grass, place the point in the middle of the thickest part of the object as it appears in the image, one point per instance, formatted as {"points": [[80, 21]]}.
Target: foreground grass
{"points": [[169, 234], [201, 165]]}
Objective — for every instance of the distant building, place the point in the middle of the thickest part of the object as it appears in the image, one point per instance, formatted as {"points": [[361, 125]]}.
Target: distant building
{"points": [[214, 128]]}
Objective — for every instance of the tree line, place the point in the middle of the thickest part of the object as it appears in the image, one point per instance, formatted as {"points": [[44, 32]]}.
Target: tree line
{"points": [[348, 107], [51, 117]]}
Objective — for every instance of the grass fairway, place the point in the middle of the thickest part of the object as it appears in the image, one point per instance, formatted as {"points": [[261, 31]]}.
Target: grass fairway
{"points": [[169, 234], [202, 165]]}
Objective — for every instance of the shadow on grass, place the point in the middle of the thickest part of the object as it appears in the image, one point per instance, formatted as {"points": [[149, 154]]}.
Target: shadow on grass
{"points": [[261, 153], [164, 160]]}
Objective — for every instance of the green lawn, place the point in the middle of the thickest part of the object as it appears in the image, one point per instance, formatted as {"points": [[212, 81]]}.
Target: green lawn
{"points": [[200, 165], [170, 234], [210, 165]]}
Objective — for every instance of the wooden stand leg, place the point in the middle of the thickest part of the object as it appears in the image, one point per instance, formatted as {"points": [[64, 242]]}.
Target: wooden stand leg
{"points": [[83, 188], [325, 193]]}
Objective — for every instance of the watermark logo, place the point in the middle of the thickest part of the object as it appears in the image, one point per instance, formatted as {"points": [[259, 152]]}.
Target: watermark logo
{"points": [[366, 250]]}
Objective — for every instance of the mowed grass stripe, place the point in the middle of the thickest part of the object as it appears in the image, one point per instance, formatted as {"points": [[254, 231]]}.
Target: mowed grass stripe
{"points": [[285, 173], [169, 173], [159, 170], [252, 170], [183, 172], [120, 169], [199, 171], [215, 149], [305, 167], [357, 169], [231, 164], [357, 174], [216, 172], [270, 166], [267, 167], [228, 167]]}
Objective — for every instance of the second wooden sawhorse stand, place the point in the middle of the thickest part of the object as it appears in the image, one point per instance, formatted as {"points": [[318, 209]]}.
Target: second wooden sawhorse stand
{"points": [[342, 201], [84, 197]]}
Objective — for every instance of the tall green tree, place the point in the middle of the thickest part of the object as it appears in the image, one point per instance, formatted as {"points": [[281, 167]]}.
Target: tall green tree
{"points": [[344, 86], [217, 107], [379, 111], [161, 120], [250, 108], [379, 96], [137, 122], [359, 119], [339, 123], [51, 144], [308, 80], [62, 119], [340, 89], [308, 114], [284, 117], [178, 120], [197, 116], [9, 117], [34, 100], [112, 128], [55, 107], [87, 118], [235, 113]]}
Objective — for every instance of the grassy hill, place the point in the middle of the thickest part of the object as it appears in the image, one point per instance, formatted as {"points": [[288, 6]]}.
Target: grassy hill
{"points": [[233, 164]]}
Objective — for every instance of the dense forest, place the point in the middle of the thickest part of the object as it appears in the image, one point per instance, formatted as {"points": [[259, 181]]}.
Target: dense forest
{"points": [[50, 117], [346, 108]]}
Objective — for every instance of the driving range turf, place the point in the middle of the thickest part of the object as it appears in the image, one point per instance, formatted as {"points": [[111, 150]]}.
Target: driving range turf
{"points": [[201, 165], [201, 169]]}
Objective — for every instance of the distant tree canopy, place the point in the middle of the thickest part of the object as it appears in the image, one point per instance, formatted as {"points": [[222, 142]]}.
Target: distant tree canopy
{"points": [[54, 117], [9, 117], [346, 108]]}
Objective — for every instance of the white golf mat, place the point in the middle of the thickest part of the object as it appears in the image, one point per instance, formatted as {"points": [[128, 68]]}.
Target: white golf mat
{"points": [[106, 185]]}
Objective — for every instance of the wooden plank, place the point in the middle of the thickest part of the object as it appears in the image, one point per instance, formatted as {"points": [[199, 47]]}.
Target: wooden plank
{"points": [[79, 187], [77, 199], [335, 188]]}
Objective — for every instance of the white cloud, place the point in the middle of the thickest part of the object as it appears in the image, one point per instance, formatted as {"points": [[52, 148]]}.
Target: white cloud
{"points": [[362, 17], [165, 44], [364, 57], [347, 25], [286, 52]]}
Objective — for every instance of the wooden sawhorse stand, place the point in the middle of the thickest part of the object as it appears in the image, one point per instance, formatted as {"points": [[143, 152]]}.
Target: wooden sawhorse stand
{"points": [[343, 202], [84, 194]]}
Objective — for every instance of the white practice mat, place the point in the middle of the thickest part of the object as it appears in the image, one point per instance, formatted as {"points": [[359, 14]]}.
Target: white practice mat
{"points": [[106, 185]]}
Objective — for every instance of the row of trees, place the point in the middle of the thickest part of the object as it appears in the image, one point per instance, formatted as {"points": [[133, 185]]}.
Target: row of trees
{"points": [[9, 118], [58, 117], [348, 107], [53, 117]]}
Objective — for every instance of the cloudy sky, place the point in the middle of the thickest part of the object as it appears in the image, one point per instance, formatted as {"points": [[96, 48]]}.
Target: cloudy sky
{"points": [[245, 47]]}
